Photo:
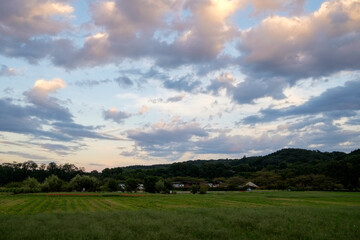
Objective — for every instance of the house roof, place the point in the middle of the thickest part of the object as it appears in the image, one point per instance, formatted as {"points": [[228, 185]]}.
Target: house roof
{"points": [[251, 184]]}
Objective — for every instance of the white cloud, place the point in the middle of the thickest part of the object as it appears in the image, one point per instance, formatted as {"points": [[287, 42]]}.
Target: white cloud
{"points": [[316, 45], [47, 87]]}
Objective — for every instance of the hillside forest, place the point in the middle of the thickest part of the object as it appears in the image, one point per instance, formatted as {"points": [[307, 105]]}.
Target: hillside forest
{"points": [[286, 169]]}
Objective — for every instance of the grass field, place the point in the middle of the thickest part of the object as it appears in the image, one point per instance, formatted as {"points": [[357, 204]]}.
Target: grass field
{"points": [[244, 215]]}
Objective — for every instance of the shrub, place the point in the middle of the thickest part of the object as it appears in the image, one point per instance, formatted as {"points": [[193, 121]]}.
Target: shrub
{"points": [[112, 185], [203, 189], [194, 188], [31, 185], [52, 184], [160, 186], [131, 184], [149, 184], [86, 183]]}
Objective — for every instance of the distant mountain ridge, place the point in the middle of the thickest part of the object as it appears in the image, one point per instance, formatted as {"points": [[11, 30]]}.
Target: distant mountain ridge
{"points": [[286, 155]]}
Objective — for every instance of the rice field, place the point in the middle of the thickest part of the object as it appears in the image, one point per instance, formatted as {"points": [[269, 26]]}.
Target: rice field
{"points": [[236, 215]]}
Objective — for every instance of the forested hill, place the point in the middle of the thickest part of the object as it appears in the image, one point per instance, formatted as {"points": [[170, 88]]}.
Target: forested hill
{"points": [[277, 160], [277, 170], [286, 168]]}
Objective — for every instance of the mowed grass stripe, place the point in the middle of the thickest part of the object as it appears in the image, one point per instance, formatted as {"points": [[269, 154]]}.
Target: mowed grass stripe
{"points": [[107, 204], [89, 207], [39, 208], [82, 204], [10, 204], [121, 204], [73, 205], [44, 207], [61, 205], [28, 208], [98, 205], [68, 205], [52, 206], [19, 208]]}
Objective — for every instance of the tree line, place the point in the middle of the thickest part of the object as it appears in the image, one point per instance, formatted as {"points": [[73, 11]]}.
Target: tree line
{"points": [[295, 169]]}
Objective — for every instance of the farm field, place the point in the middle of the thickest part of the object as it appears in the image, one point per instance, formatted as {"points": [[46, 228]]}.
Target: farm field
{"points": [[231, 215]]}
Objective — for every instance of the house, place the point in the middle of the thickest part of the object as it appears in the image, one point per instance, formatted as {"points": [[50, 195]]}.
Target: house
{"points": [[178, 184], [213, 185], [251, 185]]}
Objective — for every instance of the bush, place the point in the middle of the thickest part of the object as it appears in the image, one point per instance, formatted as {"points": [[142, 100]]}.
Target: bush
{"points": [[149, 184], [203, 189], [160, 186], [131, 185], [31, 185], [194, 188], [52, 184], [112, 185], [84, 183]]}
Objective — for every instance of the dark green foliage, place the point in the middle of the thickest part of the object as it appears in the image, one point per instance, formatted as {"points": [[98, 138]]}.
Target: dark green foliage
{"points": [[84, 183], [31, 185], [115, 173], [234, 183], [160, 186], [52, 184], [194, 188], [149, 184], [131, 185], [203, 189], [297, 169], [112, 185]]}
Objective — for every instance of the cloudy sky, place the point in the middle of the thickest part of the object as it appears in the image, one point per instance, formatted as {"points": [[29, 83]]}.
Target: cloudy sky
{"points": [[116, 83]]}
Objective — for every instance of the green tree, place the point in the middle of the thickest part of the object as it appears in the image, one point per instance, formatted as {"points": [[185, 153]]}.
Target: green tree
{"points": [[203, 189], [52, 184], [234, 183], [149, 184], [84, 183], [194, 188], [131, 185], [31, 185], [160, 186], [112, 185]]}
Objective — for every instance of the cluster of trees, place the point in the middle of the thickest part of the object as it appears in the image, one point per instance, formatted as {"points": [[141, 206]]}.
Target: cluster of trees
{"points": [[295, 169]]}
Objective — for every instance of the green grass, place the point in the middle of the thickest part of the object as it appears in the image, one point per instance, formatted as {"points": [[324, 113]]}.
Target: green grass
{"points": [[250, 215]]}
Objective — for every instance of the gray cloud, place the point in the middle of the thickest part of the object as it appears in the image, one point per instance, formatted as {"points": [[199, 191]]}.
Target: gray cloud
{"points": [[61, 149], [77, 131], [6, 71], [25, 155], [115, 115], [335, 102], [224, 144], [321, 133], [167, 140], [185, 83], [91, 83], [173, 139], [124, 81], [177, 98], [248, 90], [18, 119], [166, 135], [29, 120], [26, 31]]}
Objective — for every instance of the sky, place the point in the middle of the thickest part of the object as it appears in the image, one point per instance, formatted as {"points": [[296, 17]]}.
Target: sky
{"points": [[104, 84]]}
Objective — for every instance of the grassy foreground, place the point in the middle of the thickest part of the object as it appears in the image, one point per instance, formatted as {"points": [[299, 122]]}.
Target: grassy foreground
{"points": [[254, 215]]}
